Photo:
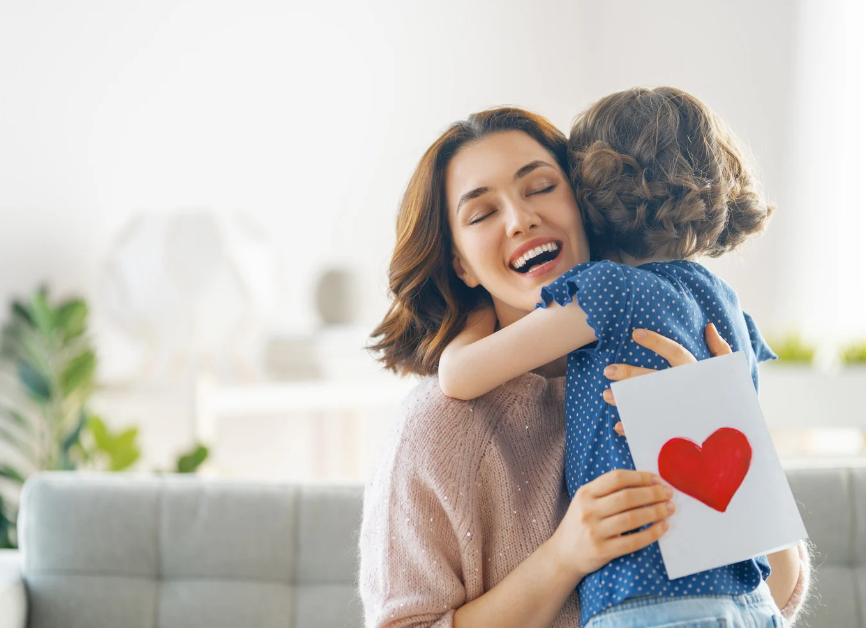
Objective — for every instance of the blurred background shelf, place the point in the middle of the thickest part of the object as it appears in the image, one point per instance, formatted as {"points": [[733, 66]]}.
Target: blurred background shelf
{"points": [[332, 430], [802, 397]]}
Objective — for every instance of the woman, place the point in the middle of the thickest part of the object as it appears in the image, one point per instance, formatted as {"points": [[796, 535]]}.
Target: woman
{"points": [[466, 519]]}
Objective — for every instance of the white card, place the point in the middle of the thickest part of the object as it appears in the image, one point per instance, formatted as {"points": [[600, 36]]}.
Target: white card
{"points": [[692, 402]]}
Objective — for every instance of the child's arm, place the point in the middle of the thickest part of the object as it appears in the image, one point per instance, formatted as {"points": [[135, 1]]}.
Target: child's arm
{"points": [[478, 360]]}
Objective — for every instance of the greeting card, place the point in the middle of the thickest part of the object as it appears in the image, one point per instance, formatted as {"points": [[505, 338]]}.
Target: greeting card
{"points": [[701, 429]]}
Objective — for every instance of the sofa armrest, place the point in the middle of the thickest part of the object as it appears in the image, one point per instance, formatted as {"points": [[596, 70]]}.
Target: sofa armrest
{"points": [[13, 595]]}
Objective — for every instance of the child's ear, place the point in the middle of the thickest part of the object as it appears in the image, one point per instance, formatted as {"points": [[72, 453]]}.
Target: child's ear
{"points": [[466, 275]]}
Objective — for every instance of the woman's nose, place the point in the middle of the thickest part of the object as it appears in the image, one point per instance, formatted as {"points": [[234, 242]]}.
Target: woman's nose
{"points": [[520, 218]]}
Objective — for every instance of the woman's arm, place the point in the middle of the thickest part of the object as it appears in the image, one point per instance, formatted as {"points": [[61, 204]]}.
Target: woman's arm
{"points": [[589, 536], [791, 609], [478, 360], [413, 570], [785, 569]]}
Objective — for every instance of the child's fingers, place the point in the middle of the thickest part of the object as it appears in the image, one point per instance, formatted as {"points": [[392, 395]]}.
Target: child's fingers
{"points": [[619, 372], [673, 352], [715, 342], [618, 428]]}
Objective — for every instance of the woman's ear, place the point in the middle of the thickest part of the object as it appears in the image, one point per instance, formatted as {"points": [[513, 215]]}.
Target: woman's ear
{"points": [[466, 275]]}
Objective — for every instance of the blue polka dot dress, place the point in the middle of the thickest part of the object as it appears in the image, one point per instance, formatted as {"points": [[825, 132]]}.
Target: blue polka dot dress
{"points": [[676, 299]]}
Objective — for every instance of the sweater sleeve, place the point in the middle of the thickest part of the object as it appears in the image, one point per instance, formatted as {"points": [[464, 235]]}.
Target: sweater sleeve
{"points": [[792, 609], [410, 554]]}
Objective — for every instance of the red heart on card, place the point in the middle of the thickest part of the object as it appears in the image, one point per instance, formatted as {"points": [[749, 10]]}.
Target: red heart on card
{"points": [[711, 473]]}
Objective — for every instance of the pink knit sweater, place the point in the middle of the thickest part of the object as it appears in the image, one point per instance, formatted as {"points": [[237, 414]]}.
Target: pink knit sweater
{"points": [[463, 494]]}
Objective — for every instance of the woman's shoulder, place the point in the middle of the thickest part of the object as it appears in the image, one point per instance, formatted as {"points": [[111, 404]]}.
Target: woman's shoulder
{"points": [[427, 410], [429, 432], [436, 434]]}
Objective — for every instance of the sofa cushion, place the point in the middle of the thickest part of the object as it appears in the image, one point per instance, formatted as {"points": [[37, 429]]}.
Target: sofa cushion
{"points": [[108, 550], [227, 529]]}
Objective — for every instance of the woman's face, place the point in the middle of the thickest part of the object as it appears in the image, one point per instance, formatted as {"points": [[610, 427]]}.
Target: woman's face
{"points": [[515, 223]]}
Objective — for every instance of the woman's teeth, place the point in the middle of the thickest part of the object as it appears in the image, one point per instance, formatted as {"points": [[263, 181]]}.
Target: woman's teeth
{"points": [[521, 261]]}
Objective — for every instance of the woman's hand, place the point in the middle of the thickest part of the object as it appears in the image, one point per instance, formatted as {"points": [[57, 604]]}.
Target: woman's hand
{"points": [[673, 352], [592, 532]]}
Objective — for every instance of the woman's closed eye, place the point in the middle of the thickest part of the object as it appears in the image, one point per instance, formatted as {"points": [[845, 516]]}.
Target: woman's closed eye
{"points": [[547, 190], [480, 217]]}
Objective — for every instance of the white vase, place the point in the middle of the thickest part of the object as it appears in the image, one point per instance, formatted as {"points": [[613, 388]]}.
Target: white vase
{"points": [[194, 290]]}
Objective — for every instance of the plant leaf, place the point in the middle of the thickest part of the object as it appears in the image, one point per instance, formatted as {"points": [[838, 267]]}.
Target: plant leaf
{"points": [[19, 342], [7, 523], [121, 449], [72, 438], [16, 418], [78, 372], [97, 429], [11, 474], [190, 462], [125, 454], [124, 451], [71, 319], [41, 313], [19, 310], [75, 435], [19, 443], [35, 383]]}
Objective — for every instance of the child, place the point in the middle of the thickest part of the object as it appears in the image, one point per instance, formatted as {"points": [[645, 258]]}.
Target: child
{"points": [[659, 182]]}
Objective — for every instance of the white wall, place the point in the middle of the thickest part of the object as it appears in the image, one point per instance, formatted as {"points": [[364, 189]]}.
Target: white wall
{"points": [[311, 117]]}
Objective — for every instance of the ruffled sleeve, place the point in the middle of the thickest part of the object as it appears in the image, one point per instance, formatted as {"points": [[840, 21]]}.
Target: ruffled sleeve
{"points": [[762, 350], [601, 289]]}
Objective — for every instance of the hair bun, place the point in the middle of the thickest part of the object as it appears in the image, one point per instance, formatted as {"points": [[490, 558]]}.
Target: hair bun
{"points": [[618, 197], [657, 174]]}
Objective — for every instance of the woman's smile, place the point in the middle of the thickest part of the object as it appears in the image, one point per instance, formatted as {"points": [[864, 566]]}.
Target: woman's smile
{"points": [[537, 257]]}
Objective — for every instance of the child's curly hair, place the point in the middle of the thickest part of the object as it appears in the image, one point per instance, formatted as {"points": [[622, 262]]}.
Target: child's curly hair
{"points": [[657, 173]]}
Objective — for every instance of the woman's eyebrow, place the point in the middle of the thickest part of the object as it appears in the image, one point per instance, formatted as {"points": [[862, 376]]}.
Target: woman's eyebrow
{"points": [[469, 196], [532, 165], [525, 170]]}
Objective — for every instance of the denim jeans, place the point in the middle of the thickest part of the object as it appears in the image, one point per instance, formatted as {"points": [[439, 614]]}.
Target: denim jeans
{"points": [[751, 610]]}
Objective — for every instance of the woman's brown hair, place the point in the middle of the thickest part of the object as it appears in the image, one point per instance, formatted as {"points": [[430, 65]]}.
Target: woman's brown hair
{"points": [[430, 303], [657, 173]]}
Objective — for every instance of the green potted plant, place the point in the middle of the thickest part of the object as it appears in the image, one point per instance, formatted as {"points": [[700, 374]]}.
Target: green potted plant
{"points": [[47, 367], [854, 354], [792, 349]]}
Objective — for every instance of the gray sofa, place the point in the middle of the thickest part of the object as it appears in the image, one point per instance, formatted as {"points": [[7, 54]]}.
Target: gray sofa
{"points": [[114, 551]]}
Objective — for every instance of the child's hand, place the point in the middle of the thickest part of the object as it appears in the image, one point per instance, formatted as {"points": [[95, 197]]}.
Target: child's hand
{"points": [[673, 352]]}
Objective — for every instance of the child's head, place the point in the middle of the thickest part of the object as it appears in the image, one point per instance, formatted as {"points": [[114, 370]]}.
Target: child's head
{"points": [[657, 174]]}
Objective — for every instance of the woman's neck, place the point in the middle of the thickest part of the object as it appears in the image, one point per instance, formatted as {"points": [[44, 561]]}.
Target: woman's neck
{"points": [[507, 314]]}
